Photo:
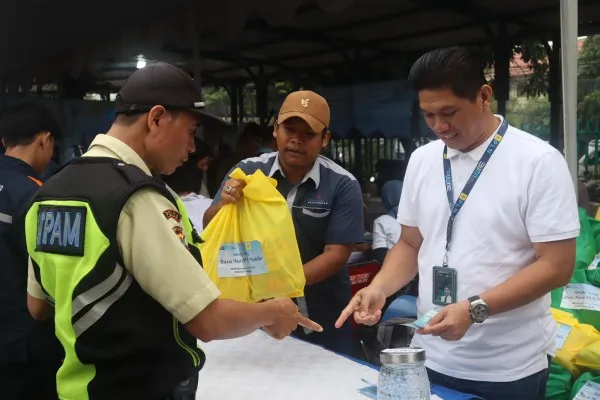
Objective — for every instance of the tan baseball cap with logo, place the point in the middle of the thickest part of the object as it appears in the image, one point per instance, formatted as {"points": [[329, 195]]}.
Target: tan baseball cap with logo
{"points": [[309, 106]]}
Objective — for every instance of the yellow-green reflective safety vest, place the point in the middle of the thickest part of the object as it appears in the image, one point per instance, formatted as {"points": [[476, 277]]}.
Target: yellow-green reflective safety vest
{"points": [[119, 342]]}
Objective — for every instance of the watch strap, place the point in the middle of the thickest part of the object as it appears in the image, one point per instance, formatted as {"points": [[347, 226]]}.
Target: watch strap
{"points": [[473, 299]]}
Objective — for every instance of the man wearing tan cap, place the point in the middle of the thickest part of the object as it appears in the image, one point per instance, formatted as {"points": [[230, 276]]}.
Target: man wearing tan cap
{"points": [[326, 205]]}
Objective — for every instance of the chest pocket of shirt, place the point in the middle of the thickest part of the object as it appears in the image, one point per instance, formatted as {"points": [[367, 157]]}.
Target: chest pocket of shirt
{"points": [[316, 212], [311, 228]]}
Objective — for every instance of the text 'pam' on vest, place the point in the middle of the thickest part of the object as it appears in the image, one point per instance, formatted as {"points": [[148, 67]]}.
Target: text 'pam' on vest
{"points": [[61, 230]]}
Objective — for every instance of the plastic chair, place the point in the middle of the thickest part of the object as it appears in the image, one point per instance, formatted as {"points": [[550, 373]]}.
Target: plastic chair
{"points": [[404, 306], [361, 275]]}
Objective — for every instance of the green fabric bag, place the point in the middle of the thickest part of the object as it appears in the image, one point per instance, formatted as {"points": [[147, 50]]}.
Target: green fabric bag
{"points": [[586, 241], [559, 383], [580, 382], [588, 246]]}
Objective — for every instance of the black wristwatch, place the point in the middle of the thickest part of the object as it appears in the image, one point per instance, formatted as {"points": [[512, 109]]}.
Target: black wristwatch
{"points": [[478, 309]]}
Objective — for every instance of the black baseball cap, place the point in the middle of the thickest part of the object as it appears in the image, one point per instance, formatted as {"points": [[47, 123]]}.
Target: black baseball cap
{"points": [[160, 84]]}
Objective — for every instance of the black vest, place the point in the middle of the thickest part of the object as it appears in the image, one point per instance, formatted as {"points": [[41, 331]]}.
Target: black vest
{"points": [[138, 349]]}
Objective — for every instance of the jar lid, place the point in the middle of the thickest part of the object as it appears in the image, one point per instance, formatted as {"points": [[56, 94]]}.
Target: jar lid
{"points": [[405, 355]]}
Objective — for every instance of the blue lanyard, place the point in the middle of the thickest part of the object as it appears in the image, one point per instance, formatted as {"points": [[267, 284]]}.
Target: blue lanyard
{"points": [[455, 207]]}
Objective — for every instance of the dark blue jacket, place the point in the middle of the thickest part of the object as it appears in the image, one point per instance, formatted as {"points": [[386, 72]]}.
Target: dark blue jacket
{"points": [[21, 338]]}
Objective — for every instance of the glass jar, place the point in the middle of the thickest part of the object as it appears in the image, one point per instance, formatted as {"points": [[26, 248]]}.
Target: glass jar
{"points": [[403, 375]]}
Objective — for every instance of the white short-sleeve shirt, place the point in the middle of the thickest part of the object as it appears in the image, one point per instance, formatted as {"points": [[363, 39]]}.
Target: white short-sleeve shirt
{"points": [[196, 205], [524, 195], [386, 232]]}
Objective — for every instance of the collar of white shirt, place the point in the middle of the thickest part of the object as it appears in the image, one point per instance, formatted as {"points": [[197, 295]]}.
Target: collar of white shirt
{"points": [[314, 173], [478, 151]]}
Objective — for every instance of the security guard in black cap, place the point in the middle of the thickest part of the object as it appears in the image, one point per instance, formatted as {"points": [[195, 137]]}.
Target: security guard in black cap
{"points": [[110, 251]]}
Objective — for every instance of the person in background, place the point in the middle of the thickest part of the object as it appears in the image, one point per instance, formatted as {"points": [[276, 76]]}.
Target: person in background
{"points": [[386, 229], [583, 199], [367, 221], [489, 212], [204, 157], [224, 151], [187, 181], [203, 154], [268, 142], [247, 146], [360, 251], [30, 354], [386, 233], [326, 206], [53, 165]]}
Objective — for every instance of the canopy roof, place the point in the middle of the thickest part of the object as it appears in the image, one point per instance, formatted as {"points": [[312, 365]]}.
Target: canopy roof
{"points": [[238, 39]]}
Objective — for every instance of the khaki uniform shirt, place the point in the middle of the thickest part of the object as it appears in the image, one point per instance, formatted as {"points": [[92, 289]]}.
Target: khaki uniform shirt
{"points": [[152, 251]]}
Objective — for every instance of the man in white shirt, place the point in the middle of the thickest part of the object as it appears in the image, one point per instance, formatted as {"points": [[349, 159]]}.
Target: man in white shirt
{"points": [[447, 296], [386, 229], [490, 212]]}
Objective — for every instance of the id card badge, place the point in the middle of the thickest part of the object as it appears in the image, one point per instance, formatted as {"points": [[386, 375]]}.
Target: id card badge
{"points": [[444, 286]]}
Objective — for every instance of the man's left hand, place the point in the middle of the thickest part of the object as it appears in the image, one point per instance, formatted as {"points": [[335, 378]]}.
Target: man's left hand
{"points": [[451, 323]]}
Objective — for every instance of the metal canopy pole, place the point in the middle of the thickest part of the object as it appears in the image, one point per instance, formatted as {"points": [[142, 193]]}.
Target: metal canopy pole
{"points": [[196, 59], [569, 54]]}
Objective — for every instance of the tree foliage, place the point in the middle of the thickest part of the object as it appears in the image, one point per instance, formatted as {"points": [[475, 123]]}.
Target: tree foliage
{"points": [[532, 115], [217, 99], [534, 53], [588, 107], [589, 58], [588, 88]]}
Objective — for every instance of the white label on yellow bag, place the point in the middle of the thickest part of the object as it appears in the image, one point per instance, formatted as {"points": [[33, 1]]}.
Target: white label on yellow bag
{"points": [[561, 335], [589, 391], [241, 259], [580, 296]]}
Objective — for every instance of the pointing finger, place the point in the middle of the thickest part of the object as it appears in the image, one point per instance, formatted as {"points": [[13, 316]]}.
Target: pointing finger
{"points": [[310, 324], [347, 312]]}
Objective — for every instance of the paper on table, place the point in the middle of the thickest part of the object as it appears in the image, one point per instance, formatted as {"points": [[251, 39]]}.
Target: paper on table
{"points": [[589, 391], [234, 370], [369, 392], [581, 296], [436, 397], [424, 320]]}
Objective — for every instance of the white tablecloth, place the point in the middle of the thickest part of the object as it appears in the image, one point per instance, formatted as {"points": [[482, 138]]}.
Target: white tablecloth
{"points": [[257, 367]]}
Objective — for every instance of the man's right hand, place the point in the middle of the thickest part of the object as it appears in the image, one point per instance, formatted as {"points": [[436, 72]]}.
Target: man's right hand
{"points": [[288, 319], [232, 191], [366, 307]]}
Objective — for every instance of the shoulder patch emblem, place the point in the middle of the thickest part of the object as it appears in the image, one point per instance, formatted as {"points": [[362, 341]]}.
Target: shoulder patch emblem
{"points": [[172, 214], [180, 234]]}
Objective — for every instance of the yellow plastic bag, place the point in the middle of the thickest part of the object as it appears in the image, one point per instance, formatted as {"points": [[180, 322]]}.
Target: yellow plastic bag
{"points": [[571, 339], [589, 357], [250, 250]]}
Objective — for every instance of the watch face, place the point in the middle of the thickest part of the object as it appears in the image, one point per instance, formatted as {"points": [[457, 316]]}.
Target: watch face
{"points": [[480, 312]]}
